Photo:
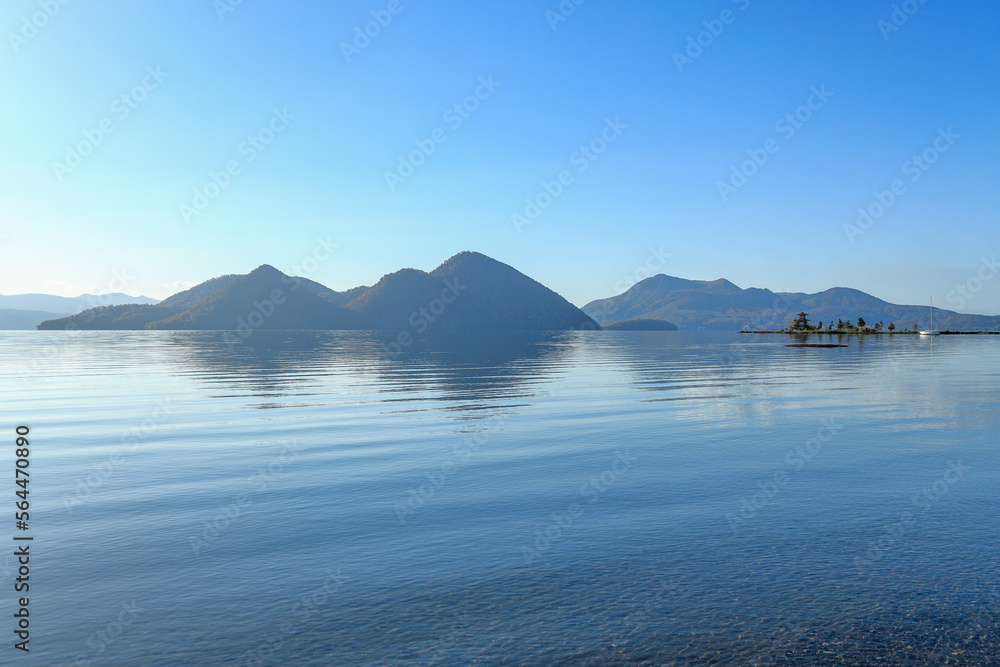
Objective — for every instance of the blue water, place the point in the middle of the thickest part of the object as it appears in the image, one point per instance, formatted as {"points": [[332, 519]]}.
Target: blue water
{"points": [[595, 498]]}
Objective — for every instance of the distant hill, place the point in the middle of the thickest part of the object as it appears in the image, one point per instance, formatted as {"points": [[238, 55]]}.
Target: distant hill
{"points": [[390, 302], [191, 297], [50, 303], [220, 304], [641, 325], [721, 305], [469, 291], [27, 311], [111, 317], [263, 299], [24, 319]]}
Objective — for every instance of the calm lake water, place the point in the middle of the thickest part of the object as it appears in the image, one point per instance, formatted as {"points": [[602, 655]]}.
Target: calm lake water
{"points": [[559, 499]]}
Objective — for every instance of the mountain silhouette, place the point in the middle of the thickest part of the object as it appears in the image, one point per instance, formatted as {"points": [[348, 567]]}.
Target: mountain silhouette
{"points": [[264, 299], [54, 305], [191, 297], [24, 319], [467, 292], [721, 305], [133, 316]]}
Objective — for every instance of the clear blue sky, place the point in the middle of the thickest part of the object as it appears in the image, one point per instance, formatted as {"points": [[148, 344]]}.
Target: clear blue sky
{"points": [[556, 84]]}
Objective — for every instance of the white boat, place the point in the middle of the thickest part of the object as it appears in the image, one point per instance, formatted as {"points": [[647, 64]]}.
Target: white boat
{"points": [[932, 331]]}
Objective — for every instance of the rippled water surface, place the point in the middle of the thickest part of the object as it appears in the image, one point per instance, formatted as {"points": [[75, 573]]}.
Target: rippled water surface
{"points": [[579, 498]]}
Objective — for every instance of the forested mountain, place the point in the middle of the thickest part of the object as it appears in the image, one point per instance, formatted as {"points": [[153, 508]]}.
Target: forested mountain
{"points": [[721, 305], [467, 292]]}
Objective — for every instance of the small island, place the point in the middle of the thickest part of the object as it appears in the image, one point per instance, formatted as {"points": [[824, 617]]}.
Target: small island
{"points": [[803, 326]]}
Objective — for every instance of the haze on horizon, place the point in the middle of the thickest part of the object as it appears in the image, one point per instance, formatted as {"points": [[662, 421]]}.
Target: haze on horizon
{"points": [[737, 138]]}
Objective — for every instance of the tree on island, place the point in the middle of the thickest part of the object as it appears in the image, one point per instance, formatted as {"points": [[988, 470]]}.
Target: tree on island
{"points": [[892, 327], [861, 322]]}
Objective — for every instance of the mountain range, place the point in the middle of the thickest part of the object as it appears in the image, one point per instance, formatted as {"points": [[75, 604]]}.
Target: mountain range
{"points": [[26, 311], [721, 305], [468, 292]]}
